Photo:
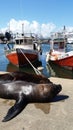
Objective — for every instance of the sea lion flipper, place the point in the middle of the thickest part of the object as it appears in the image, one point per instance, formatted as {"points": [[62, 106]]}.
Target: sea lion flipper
{"points": [[7, 76], [14, 110]]}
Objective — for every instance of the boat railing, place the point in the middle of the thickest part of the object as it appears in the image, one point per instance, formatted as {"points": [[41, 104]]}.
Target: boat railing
{"points": [[64, 55]]}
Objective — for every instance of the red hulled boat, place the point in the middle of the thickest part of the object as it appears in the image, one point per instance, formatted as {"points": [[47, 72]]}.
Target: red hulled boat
{"points": [[25, 50], [58, 54]]}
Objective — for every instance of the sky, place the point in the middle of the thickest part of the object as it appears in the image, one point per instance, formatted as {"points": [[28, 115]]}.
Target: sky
{"points": [[37, 16]]}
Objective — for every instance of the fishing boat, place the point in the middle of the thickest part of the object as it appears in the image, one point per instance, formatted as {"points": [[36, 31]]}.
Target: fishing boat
{"points": [[25, 50], [58, 54]]}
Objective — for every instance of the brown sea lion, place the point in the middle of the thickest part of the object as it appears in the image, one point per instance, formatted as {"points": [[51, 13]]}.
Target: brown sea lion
{"points": [[26, 89], [18, 75], [26, 92]]}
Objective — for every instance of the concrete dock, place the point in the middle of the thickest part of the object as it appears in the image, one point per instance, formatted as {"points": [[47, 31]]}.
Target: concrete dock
{"points": [[57, 115]]}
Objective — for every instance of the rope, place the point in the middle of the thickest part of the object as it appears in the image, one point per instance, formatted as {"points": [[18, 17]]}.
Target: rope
{"points": [[36, 70]]}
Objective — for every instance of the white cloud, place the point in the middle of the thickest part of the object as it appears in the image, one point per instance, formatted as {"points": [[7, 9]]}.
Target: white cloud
{"points": [[43, 29], [69, 29], [46, 29], [33, 27]]}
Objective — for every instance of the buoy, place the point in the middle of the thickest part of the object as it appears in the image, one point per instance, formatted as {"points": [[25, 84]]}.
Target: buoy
{"points": [[40, 68]]}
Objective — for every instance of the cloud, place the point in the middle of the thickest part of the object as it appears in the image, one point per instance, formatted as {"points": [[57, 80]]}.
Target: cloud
{"points": [[29, 27], [43, 29], [46, 29]]}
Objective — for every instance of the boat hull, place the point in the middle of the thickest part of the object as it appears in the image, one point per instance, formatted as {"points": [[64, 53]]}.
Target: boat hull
{"points": [[68, 62], [18, 58]]}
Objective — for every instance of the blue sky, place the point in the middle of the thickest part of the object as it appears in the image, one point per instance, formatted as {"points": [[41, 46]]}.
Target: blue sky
{"points": [[58, 12]]}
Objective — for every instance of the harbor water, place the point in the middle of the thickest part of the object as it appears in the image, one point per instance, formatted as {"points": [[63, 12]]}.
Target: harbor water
{"points": [[48, 70]]}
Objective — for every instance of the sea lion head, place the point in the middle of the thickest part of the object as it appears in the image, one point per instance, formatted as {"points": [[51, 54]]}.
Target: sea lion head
{"points": [[56, 89], [46, 92]]}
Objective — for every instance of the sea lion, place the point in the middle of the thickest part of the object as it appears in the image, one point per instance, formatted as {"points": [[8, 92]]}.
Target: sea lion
{"points": [[18, 75], [26, 92]]}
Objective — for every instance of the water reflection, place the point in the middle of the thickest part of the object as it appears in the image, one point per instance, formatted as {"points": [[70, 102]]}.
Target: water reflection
{"points": [[11, 68], [49, 70], [57, 71]]}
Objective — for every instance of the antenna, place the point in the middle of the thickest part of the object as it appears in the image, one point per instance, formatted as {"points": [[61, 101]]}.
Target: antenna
{"points": [[22, 28]]}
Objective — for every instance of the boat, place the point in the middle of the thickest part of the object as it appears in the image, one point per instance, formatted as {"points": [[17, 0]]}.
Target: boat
{"points": [[58, 54], [24, 51], [59, 71]]}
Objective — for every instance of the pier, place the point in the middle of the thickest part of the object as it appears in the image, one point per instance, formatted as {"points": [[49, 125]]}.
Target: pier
{"points": [[57, 115]]}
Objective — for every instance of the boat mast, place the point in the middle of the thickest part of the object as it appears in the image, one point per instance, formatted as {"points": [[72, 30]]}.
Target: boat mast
{"points": [[22, 29]]}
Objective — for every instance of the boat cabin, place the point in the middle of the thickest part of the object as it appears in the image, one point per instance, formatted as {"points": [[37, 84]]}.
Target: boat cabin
{"points": [[58, 44], [23, 40]]}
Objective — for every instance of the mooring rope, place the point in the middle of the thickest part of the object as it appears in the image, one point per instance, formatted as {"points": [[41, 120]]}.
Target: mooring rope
{"points": [[36, 70]]}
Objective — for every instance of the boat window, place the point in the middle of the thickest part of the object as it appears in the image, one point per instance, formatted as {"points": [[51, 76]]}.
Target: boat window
{"points": [[30, 41], [17, 41], [21, 41], [25, 40], [56, 45], [61, 45]]}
